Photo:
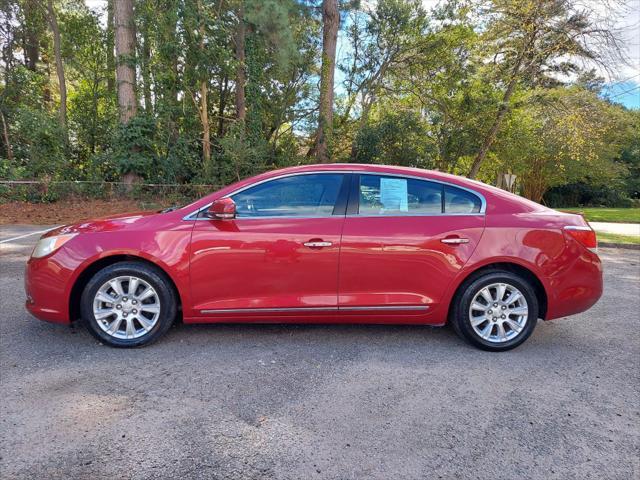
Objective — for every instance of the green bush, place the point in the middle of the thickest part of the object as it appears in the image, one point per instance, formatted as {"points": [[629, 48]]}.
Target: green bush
{"points": [[134, 152], [585, 195]]}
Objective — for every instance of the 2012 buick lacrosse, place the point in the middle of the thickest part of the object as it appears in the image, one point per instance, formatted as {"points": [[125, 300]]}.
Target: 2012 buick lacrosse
{"points": [[338, 243]]}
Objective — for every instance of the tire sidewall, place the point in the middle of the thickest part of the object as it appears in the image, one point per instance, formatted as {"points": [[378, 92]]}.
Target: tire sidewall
{"points": [[154, 278], [462, 322]]}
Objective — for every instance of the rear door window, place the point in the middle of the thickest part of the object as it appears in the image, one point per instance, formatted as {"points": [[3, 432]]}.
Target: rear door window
{"points": [[387, 195]]}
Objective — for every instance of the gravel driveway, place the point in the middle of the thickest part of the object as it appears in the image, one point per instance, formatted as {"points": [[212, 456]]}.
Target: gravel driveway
{"points": [[325, 402]]}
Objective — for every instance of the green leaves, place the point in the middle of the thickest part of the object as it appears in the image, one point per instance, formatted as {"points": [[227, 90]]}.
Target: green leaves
{"points": [[414, 87]]}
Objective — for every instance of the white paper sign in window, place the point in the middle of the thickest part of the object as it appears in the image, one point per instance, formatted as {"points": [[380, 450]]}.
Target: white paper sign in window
{"points": [[393, 194]]}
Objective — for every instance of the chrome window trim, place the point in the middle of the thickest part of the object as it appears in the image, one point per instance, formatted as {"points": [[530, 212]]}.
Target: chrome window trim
{"points": [[194, 216], [317, 309]]}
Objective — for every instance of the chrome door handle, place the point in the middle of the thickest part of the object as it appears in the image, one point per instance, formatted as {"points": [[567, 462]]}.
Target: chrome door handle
{"points": [[455, 241], [317, 244]]}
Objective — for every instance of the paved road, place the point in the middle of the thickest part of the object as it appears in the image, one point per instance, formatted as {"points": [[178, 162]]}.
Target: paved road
{"points": [[325, 402]]}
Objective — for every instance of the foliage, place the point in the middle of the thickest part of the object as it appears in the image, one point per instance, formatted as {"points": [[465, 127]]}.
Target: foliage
{"points": [[134, 150], [415, 87], [400, 138], [38, 149]]}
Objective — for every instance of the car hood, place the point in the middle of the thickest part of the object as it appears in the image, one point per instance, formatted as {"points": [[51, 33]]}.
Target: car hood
{"points": [[105, 224]]}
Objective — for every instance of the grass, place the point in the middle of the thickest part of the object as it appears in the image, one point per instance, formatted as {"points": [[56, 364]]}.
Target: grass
{"points": [[616, 238], [616, 215]]}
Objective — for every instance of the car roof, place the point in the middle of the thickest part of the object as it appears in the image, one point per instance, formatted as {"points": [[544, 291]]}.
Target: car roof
{"points": [[377, 168]]}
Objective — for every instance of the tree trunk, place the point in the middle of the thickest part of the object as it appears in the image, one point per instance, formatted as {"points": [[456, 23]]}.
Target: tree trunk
{"points": [[125, 59], [534, 180], [167, 79], [516, 72], [7, 46], [46, 89], [31, 35], [491, 136], [94, 112], [222, 104], [241, 76], [330, 25], [204, 106], [111, 67], [7, 140], [144, 67], [364, 119], [53, 22]]}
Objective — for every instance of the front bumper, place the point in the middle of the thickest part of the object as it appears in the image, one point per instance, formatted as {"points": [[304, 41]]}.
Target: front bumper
{"points": [[46, 282]]}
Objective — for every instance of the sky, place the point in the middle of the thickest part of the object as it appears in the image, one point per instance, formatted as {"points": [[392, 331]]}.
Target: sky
{"points": [[622, 86]]}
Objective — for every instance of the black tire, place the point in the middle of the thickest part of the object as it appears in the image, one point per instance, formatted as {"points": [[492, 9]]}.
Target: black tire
{"points": [[155, 278], [460, 315]]}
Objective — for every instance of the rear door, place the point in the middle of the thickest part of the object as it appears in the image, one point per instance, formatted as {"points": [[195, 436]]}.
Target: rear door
{"points": [[403, 241], [280, 254]]}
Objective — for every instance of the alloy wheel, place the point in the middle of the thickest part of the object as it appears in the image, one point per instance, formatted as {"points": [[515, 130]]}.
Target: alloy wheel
{"points": [[126, 307], [498, 312]]}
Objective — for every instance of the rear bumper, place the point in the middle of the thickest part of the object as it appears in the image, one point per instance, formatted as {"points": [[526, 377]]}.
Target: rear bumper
{"points": [[578, 287]]}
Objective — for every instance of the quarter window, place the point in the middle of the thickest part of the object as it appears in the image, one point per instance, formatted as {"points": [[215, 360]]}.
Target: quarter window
{"points": [[312, 195], [380, 195], [457, 200]]}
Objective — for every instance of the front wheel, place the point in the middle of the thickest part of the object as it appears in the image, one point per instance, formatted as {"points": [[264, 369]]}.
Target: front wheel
{"points": [[495, 311], [128, 304]]}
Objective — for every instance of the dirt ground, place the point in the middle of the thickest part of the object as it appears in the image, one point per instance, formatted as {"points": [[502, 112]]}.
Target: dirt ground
{"points": [[67, 211]]}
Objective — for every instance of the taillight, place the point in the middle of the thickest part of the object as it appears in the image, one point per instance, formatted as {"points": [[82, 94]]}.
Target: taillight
{"points": [[585, 235]]}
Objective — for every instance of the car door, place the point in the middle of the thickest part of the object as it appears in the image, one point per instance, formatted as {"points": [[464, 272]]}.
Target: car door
{"points": [[403, 241], [280, 253]]}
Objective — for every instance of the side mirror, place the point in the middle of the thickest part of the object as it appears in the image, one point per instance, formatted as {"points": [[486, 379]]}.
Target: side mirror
{"points": [[222, 209]]}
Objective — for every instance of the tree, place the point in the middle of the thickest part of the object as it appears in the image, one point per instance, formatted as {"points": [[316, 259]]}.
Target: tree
{"points": [[204, 105], [390, 40], [233, 87], [33, 33], [241, 77], [53, 22], [330, 26], [111, 65], [565, 136], [125, 42], [532, 39], [125, 59]]}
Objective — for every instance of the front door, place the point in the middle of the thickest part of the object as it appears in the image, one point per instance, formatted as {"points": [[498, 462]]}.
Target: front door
{"points": [[403, 242], [280, 253]]}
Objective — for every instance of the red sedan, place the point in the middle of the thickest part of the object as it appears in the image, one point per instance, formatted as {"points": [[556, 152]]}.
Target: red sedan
{"points": [[321, 244]]}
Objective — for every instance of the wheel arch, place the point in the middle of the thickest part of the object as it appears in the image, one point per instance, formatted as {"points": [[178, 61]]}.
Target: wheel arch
{"points": [[512, 267], [103, 262]]}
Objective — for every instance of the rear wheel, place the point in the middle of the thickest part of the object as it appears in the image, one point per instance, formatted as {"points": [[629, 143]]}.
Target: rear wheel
{"points": [[495, 311], [128, 304]]}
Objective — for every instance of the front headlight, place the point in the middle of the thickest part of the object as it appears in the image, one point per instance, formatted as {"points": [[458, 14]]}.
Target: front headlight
{"points": [[48, 245]]}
